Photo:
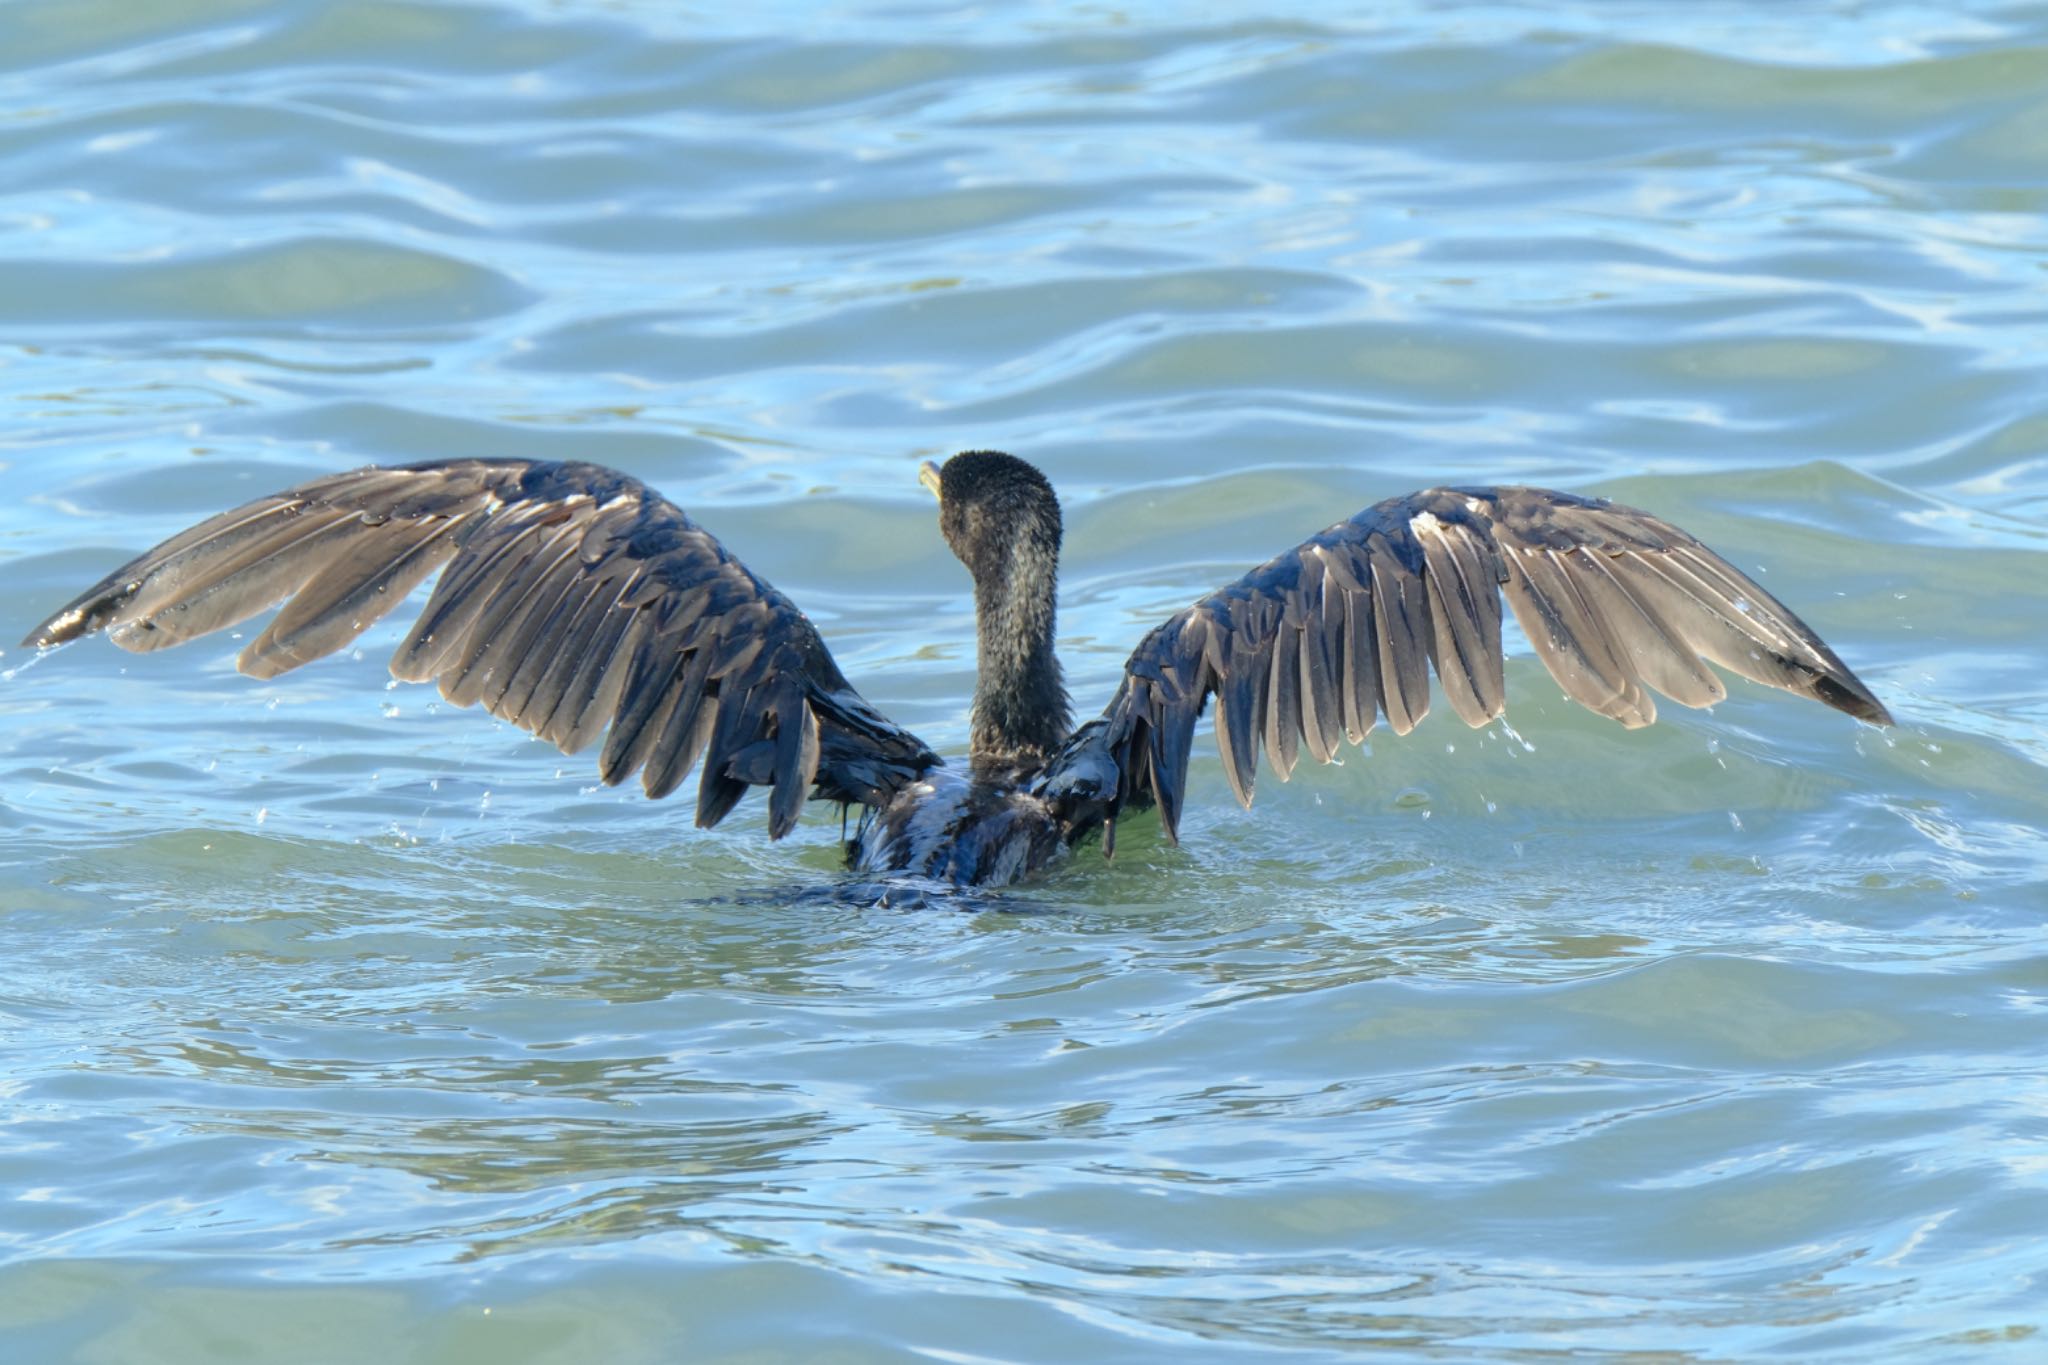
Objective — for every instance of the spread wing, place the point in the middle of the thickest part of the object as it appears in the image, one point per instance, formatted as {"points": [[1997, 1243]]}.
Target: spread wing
{"points": [[1315, 645], [572, 598]]}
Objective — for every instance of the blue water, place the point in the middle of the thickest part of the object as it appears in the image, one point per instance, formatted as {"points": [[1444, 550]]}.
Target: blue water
{"points": [[338, 1024]]}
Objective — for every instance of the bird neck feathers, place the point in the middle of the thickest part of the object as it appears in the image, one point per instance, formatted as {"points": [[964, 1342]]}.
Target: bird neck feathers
{"points": [[1021, 712]]}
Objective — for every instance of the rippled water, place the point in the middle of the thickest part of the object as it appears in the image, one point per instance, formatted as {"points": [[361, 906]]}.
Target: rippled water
{"points": [[339, 1025]]}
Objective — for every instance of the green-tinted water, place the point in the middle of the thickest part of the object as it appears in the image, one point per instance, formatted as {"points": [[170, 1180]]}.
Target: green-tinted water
{"points": [[343, 1026]]}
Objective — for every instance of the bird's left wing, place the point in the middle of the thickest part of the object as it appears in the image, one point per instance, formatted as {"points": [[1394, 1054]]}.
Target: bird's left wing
{"points": [[574, 599], [1314, 645]]}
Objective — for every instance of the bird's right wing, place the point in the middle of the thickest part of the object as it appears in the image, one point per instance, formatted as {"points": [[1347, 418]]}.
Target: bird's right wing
{"points": [[1315, 644], [573, 598]]}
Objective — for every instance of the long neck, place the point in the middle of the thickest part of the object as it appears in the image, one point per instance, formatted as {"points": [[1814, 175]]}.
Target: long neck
{"points": [[1021, 713]]}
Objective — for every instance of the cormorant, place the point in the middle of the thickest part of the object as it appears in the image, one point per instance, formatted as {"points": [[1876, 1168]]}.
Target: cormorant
{"points": [[576, 602]]}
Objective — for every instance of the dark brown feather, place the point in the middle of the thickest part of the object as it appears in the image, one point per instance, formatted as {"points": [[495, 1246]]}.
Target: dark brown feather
{"points": [[572, 598], [1344, 628]]}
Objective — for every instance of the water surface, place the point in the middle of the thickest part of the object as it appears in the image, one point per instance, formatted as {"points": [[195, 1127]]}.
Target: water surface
{"points": [[340, 1025]]}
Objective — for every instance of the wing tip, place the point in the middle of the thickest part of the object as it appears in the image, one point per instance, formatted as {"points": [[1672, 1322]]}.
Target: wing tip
{"points": [[73, 622], [1847, 694]]}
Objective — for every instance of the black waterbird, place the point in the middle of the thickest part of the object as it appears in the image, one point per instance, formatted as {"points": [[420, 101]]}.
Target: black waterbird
{"points": [[576, 602]]}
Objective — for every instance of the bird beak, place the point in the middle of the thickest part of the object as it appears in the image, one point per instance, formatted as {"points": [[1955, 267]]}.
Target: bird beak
{"points": [[928, 475]]}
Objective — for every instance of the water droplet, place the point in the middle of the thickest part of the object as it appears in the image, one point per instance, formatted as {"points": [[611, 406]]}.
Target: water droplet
{"points": [[1509, 731]]}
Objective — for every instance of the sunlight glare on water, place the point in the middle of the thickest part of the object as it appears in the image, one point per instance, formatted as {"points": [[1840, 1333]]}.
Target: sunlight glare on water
{"points": [[340, 1024]]}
